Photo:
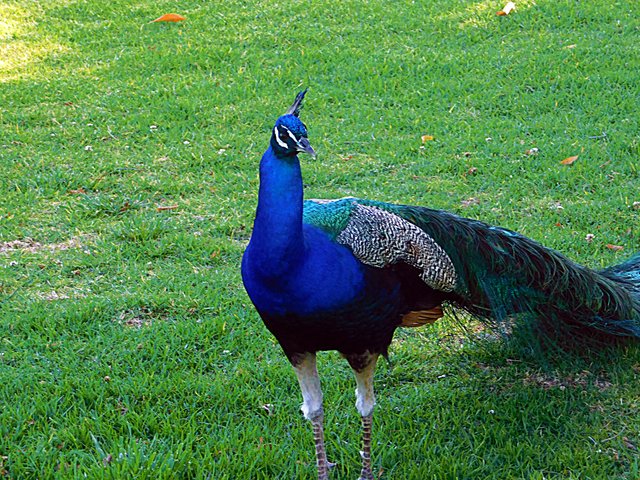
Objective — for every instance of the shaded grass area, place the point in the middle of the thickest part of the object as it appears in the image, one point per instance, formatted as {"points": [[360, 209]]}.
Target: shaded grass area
{"points": [[128, 347]]}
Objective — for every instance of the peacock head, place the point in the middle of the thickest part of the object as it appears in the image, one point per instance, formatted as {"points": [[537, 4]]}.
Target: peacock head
{"points": [[289, 135]]}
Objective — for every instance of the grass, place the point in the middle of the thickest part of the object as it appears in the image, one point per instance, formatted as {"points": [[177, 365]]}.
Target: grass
{"points": [[128, 347]]}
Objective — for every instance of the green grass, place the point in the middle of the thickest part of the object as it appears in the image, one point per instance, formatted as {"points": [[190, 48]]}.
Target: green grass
{"points": [[128, 348]]}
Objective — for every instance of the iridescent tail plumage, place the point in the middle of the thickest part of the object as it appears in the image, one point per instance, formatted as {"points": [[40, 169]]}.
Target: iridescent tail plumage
{"points": [[506, 277]]}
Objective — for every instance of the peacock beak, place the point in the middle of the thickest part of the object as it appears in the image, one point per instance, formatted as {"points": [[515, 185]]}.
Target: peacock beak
{"points": [[305, 146]]}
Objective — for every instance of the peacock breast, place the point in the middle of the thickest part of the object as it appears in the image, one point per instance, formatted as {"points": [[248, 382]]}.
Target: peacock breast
{"points": [[326, 278]]}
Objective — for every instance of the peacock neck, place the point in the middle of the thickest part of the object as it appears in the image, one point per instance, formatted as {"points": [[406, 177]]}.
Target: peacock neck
{"points": [[276, 241]]}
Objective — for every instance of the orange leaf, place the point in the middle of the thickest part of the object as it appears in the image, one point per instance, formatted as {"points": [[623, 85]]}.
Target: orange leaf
{"points": [[615, 248], [569, 160], [169, 17], [427, 138], [507, 9]]}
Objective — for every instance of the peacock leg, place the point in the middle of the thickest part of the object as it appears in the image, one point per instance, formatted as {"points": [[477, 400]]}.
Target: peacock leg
{"points": [[364, 367], [307, 373], [366, 473]]}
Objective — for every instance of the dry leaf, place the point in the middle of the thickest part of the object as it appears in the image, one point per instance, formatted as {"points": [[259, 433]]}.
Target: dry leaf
{"points": [[615, 248], [169, 17], [162, 208], [629, 444], [569, 160], [79, 191], [427, 138], [507, 9]]}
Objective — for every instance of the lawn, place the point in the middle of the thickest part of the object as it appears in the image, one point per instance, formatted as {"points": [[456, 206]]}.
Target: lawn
{"points": [[128, 178]]}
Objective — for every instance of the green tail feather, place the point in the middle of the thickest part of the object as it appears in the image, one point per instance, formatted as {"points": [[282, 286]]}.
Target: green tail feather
{"points": [[627, 273], [504, 276]]}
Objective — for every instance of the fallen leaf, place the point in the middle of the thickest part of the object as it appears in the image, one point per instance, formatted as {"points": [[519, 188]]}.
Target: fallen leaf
{"points": [[469, 202], [569, 160], [573, 45], [427, 138], [79, 191], [169, 17], [472, 171], [615, 248], [558, 224], [629, 444], [507, 9], [162, 208]]}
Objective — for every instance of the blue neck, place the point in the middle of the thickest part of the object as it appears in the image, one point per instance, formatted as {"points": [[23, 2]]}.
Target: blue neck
{"points": [[276, 243]]}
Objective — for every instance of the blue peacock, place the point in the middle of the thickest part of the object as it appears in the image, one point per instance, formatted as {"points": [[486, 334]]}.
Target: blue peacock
{"points": [[345, 274]]}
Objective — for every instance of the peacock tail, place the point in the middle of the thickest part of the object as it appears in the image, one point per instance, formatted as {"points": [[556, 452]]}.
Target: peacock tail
{"points": [[493, 273]]}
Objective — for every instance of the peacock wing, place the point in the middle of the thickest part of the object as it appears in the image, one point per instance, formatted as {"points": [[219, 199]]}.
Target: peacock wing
{"points": [[379, 237]]}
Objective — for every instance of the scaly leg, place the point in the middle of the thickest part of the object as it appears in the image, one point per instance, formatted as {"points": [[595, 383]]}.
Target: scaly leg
{"points": [[307, 373], [364, 367]]}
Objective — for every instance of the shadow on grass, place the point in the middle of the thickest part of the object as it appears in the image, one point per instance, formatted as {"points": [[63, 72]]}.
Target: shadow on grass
{"points": [[493, 403]]}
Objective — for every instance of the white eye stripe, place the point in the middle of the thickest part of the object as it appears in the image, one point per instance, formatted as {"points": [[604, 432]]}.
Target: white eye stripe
{"points": [[292, 136], [276, 134], [297, 142]]}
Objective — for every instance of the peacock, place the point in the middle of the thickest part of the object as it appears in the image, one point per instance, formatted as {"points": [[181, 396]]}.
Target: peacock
{"points": [[345, 274]]}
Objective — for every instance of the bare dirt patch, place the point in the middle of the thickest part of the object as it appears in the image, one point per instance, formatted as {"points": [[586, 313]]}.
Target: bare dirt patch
{"points": [[580, 380], [29, 245], [137, 318]]}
